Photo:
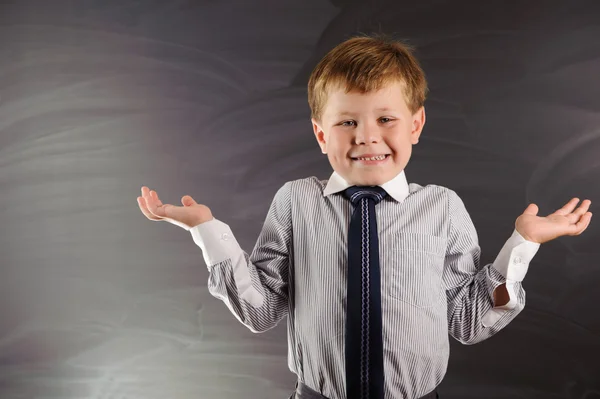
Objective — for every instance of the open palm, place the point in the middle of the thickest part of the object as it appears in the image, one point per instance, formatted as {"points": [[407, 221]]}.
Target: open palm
{"points": [[565, 221], [186, 216]]}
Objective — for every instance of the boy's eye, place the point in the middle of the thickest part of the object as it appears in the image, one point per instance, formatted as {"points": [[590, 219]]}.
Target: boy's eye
{"points": [[384, 120]]}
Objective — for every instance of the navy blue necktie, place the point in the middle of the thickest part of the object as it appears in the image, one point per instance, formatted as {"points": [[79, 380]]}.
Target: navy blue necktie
{"points": [[364, 342]]}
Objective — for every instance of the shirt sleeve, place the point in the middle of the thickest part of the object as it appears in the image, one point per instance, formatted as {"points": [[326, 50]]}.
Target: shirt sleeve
{"points": [[470, 286], [254, 287]]}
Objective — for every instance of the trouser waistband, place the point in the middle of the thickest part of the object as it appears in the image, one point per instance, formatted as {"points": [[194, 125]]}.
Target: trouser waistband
{"points": [[305, 392]]}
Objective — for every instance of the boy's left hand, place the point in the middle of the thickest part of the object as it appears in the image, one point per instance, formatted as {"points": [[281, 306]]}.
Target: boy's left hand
{"points": [[563, 222]]}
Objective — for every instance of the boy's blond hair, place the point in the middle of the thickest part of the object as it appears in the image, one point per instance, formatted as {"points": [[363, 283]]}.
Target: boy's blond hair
{"points": [[365, 63]]}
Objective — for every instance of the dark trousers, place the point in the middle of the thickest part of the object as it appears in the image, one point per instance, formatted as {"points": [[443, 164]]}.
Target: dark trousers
{"points": [[305, 392]]}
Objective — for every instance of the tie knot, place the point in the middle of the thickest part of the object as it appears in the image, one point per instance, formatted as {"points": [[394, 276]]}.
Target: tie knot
{"points": [[356, 193]]}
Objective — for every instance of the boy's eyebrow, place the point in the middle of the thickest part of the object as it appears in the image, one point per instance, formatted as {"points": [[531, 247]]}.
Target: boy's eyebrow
{"points": [[352, 113]]}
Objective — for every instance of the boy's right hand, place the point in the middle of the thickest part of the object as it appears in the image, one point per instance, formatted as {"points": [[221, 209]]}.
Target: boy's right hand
{"points": [[187, 216]]}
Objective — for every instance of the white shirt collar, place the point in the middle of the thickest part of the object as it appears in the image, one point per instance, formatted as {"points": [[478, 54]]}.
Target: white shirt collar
{"points": [[397, 188]]}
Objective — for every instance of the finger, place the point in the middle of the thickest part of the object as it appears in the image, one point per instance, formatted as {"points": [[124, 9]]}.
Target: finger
{"points": [[142, 204], [583, 223], [147, 198], [154, 196], [188, 200], [568, 207], [583, 208], [161, 209], [146, 193], [152, 206], [579, 212]]}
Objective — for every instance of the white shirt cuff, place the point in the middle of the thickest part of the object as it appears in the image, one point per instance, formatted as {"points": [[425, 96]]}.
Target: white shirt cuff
{"points": [[216, 241], [513, 259]]}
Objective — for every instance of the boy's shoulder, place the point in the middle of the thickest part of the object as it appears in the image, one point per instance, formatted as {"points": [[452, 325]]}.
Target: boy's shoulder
{"points": [[438, 188], [306, 185]]}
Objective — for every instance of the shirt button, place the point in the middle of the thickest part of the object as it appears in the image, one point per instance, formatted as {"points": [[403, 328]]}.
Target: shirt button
{"points": [[517, 260], [225, 236]]}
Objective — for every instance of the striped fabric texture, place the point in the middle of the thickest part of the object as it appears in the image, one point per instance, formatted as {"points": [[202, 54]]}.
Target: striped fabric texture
{"points": [[432, 282]]}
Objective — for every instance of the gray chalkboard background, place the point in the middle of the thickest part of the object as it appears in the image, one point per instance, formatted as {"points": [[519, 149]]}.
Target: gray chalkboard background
{"points": [[208, 98]]}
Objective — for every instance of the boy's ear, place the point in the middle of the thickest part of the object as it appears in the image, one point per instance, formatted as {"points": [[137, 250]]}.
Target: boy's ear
{"points": [[319, 135], [419, 119]]}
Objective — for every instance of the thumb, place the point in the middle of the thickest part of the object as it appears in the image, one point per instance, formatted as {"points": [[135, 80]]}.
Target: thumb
{"points": [[532, 209], [186, 200]]}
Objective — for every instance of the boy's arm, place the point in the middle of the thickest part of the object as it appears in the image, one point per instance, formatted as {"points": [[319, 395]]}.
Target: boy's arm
{"points": [[472, 289], [254, 287]]}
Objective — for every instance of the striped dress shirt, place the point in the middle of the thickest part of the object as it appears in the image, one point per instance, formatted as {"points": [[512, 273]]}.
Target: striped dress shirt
{"points": [[432, 282]]}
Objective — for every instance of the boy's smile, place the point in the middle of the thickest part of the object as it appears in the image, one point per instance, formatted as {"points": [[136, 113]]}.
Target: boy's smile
{"points": [[368, 137]]}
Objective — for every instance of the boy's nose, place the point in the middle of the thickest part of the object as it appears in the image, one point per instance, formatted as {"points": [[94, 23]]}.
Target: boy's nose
{"points": [[368, 136]]}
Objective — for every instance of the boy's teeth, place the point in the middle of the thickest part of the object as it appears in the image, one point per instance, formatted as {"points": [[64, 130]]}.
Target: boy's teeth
{"points": [[379, 158]]}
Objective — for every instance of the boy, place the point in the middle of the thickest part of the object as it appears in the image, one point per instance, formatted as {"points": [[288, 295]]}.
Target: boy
{"points": [[372, 272]]}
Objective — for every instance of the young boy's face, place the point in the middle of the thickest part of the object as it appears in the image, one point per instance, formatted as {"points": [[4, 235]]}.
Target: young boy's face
{"points": [[356, 125]]}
